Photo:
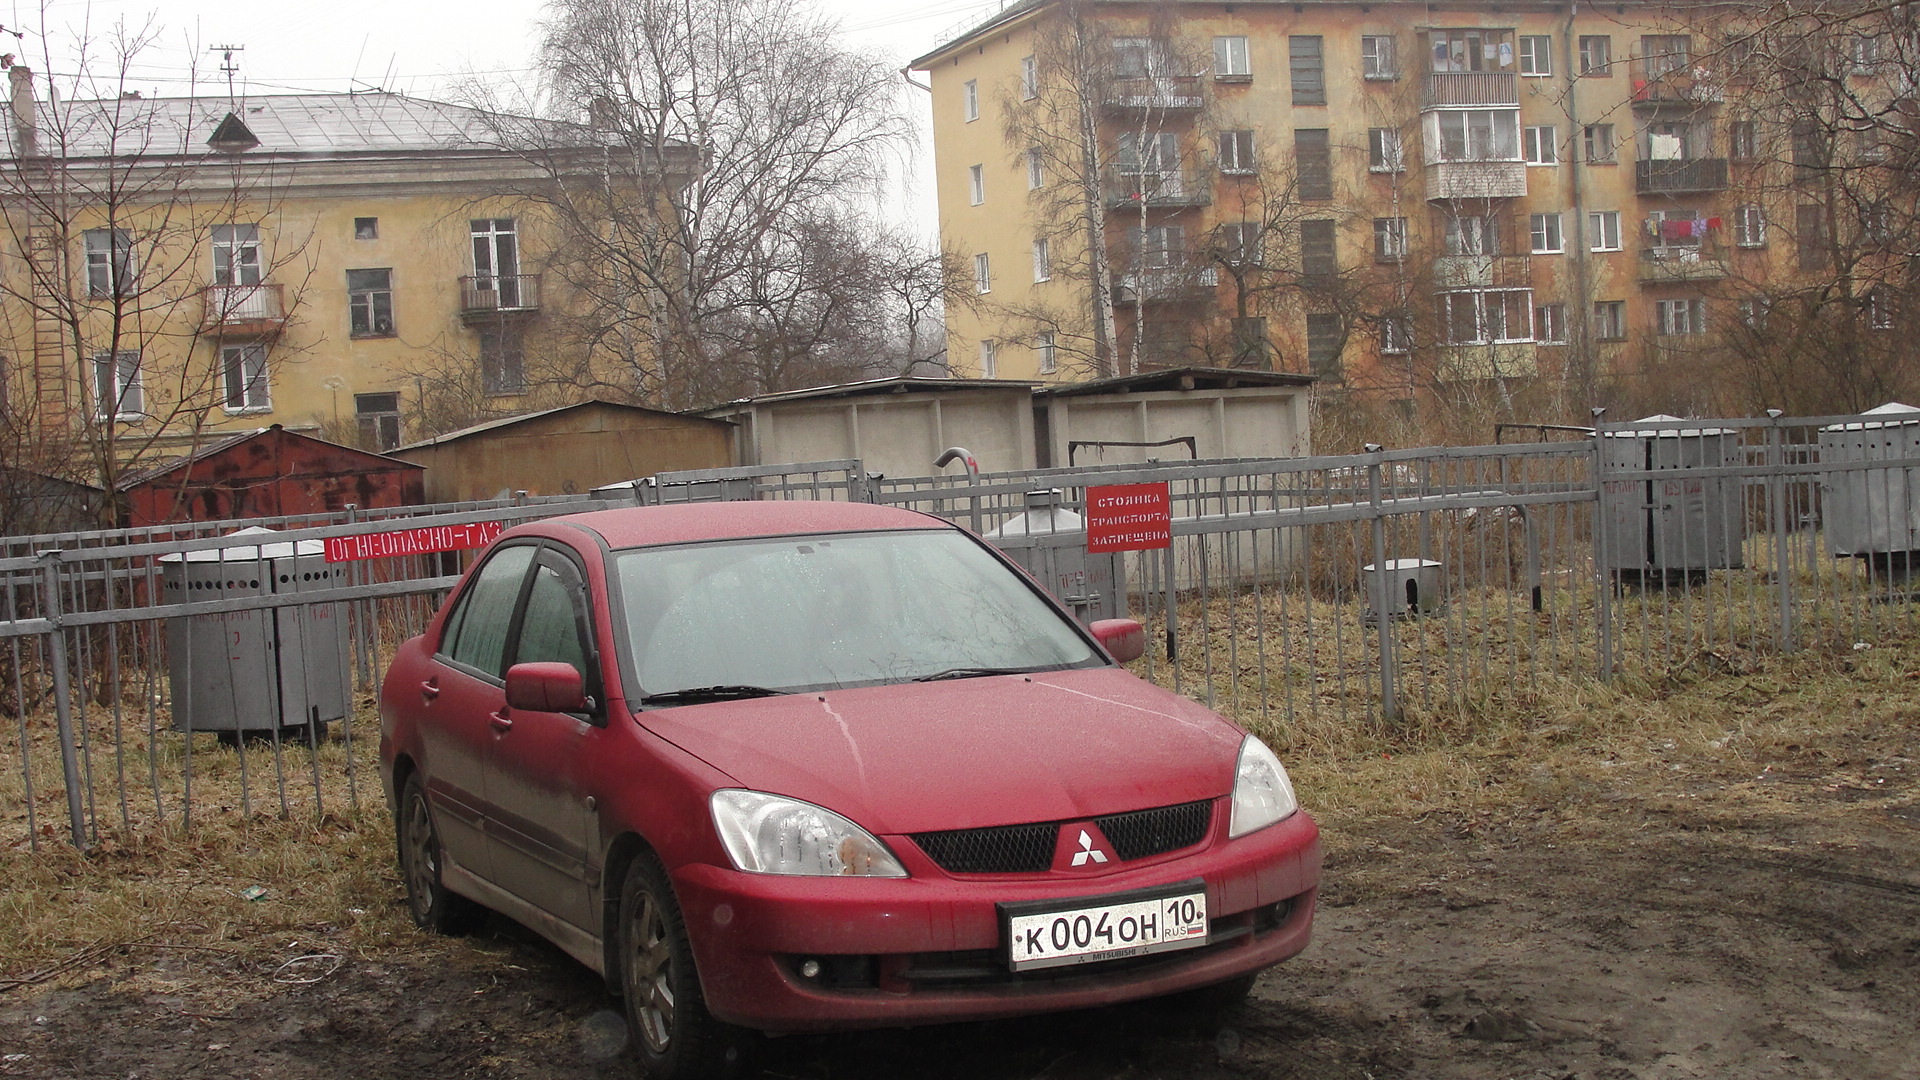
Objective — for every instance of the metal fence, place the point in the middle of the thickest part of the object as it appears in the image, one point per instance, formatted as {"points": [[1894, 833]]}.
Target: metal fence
{"points": [[1392, 588]]}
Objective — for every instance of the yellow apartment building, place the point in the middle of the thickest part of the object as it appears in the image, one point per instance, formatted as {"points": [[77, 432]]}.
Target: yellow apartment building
{"points": [[1398, 196], [367, 267]]}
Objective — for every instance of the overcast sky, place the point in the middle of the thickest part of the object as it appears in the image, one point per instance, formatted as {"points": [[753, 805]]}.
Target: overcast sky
{"points": [[417, 47]]}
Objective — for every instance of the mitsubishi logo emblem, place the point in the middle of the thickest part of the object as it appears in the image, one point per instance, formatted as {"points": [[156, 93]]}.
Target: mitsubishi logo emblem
{"points": [[1087, 851]]}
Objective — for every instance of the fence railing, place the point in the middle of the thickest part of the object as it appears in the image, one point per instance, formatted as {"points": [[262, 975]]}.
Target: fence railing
{"points": [[152, 676]]}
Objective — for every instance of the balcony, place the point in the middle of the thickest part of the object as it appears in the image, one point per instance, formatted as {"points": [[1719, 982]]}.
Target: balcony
{"points": [[1128, 189], [1156, 93], [1675, 177], [1166, 284], [1483, 272], [239, 311], [1476, 179], [1669, 264], [1676, 90], [1506, 360], [1476, 89], [489, 297]]}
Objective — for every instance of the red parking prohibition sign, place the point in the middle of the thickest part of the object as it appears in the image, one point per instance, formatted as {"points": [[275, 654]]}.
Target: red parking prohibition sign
{"points": [[1128, 517]]}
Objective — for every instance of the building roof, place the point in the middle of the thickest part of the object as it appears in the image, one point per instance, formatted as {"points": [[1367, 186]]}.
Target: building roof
{"points": [[1185, 378], [322, 124], [510, 421], [873, 387], [221, 446]]}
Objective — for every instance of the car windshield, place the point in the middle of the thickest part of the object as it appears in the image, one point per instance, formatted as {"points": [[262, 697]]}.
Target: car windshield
{"points": [[814, 612]]}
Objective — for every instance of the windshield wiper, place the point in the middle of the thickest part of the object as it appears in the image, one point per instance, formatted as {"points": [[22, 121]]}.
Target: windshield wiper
{"points": [[971, 673], [722, 692]]}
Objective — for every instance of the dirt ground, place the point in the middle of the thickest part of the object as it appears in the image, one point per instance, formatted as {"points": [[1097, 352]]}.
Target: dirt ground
{"points": [[1755, 921]]}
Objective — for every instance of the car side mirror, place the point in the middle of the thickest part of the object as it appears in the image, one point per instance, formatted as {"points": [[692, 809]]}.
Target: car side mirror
{"points": [[547, 686], [1126, 639]]}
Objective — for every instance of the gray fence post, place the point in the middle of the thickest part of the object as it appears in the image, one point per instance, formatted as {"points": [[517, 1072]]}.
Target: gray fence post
{"points": [[1602, 572], [1777, 500], [63, 698], [1383, 621]]}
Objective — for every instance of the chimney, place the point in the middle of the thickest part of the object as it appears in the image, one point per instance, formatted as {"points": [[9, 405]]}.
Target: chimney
{"points": [[26, 124]]}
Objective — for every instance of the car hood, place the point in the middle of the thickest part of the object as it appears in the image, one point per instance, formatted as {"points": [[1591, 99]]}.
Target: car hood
{"points": [[965, 753]]}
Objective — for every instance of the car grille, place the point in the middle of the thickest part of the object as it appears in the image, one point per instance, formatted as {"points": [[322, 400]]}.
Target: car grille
{"points": [[1028, 849]]}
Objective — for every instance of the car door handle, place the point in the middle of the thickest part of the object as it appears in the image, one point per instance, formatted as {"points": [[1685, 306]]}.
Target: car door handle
{"points": [[501, 721], [429, 690]]}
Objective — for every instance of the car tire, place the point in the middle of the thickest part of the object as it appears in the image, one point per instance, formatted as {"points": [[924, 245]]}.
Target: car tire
{"points": [[433, 906], [673, 1034]]}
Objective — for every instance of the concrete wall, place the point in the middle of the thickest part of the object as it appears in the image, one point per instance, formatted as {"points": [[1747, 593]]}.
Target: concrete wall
{"points": [[1229, 423], [895, 434]]}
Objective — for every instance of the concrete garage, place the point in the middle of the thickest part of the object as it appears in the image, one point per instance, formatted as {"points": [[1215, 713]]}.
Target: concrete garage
{"points": [[896, 426], [1177, 415], [562, 451]]}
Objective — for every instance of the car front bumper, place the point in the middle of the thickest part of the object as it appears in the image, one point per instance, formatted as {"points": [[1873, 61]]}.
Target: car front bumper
{"points": [[928, 949]]}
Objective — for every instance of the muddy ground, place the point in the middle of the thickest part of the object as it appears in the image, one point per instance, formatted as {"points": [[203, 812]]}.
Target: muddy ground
{"points": [[1760, 922]]}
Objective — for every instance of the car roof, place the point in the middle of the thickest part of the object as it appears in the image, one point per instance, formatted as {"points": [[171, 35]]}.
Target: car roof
{"points": [[682, 523]]}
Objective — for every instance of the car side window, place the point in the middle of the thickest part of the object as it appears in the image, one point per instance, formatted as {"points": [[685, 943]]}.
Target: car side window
{"points": [[479, 636], [555, 616]]}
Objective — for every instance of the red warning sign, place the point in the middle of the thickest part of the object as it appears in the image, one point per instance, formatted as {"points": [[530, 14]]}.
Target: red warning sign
{"points": [[412, 541], [1128, 517]]}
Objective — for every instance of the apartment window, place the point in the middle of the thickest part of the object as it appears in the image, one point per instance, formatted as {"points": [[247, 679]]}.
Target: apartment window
{"points": [[1313, 163], [243, 370], [1479, 135], [1029, 79], [496, 263], [1042, 260], [1396, 335], [379, 419], [1870, 145], [236, 254], [1545, 230], [1305, 67], [1471, 234], [1599, 144], [970, 99], [1550, 324], [1384, 152], [503, 365], [1471, 49], [989, 360], [1317, 258], [1810, 236], [1236, 151], [1136, 57], [1680, 317], [1240, 243], [1753, 312], [1324, 338], [1666, 54], [1876, 223], [1610, 320], [1160, 248], [1389, 238], [1250, 345], [1377, 59], [982, 273], [1596, 56], [1036, 172], [1603, 230], [1809, 149], [1481, 318], [1879, 309], [118, 394], [370, 303], [366, 228], [1047, 351], [1743, 140], [1540, 145], [1536, 54], [1863, 54], [1750, 225], [111, 268], [977, 183], [1230, 58]]}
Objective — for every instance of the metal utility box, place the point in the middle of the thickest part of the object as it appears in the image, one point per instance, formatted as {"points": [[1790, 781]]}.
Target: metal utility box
{"points": [[254, 671], [1414, 587], [1093, 586], [1869, 512], [1679, 528]]}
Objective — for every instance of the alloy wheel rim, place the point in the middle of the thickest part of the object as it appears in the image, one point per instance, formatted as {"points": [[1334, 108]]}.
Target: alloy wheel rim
{"points": [[650, 975], [420, 861]]}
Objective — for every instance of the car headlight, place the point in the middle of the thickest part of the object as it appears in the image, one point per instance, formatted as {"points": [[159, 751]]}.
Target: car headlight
{"points": [[772, 834], [1262, 794]]}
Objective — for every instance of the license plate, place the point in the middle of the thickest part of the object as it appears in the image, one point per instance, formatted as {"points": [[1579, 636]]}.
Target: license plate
{"points": [[1048, 934]]}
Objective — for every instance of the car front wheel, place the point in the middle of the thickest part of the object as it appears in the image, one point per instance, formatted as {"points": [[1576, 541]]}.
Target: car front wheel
{"points": [[672, 1031]]}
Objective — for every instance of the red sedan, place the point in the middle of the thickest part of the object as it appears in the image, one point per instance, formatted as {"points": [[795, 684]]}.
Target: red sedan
{"points": [[789, 766]]}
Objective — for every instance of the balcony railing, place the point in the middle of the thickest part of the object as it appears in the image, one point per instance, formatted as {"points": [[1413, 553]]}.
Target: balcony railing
{"points": [[1673, 176], [1476, 179], [242, 310], [1473, 88], [1689, 87], [1668, 263], [490, 294], [1153, 92], [1166, 284], [1128, 187], [1483, 272]]}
